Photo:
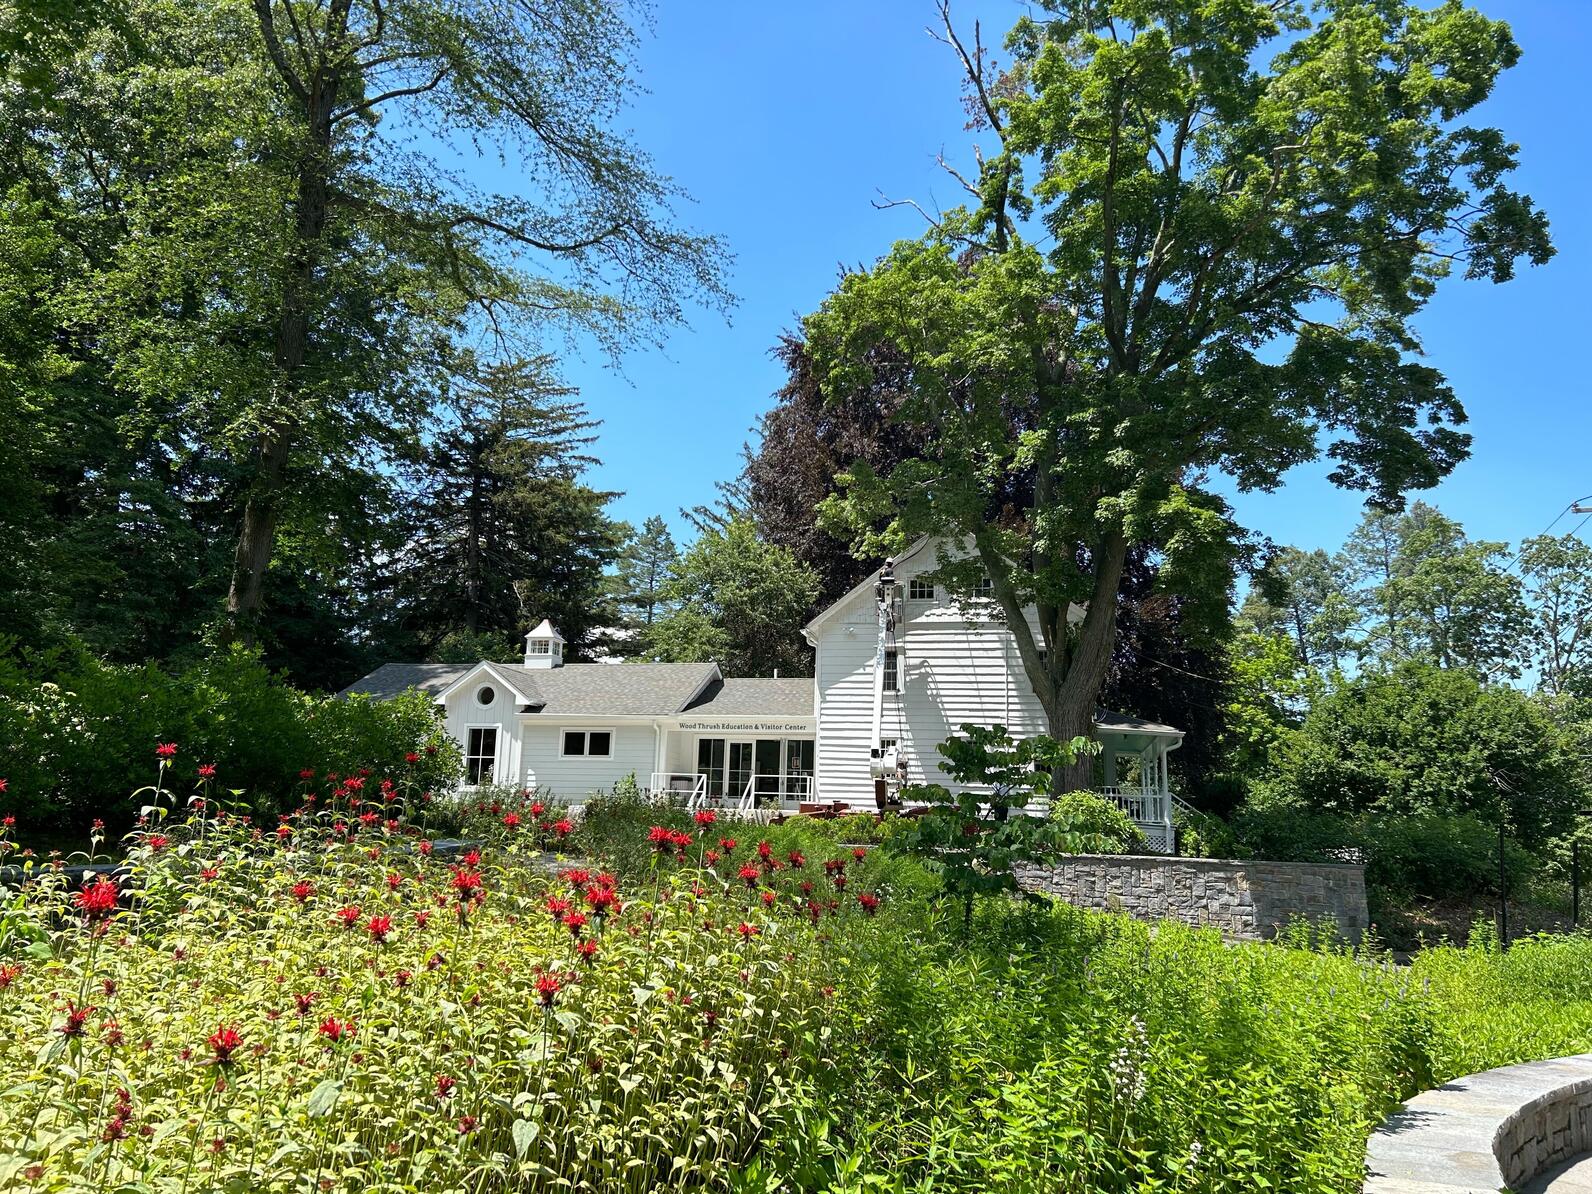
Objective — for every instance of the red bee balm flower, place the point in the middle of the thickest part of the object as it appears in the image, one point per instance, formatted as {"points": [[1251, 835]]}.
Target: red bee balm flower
{"points": [[547, 989], [336, 1030], [575, 922], [445, 1086], [747, 931], [706, 816], [662, 838], [224, 1042], [466, 883], [378, 927], [563, 827], [208, 771], [98, 900], [511, 820], [303, 891], [587, 949], [166, 750], [750, 875], [411, 756], [348, 915], [869, 902]]}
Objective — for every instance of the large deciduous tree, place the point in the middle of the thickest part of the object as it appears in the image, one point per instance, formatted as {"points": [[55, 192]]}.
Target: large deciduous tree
{"points": [[1194, 245]]}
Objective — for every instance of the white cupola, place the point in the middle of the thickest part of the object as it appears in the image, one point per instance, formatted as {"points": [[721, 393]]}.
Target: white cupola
{"points": [[544, 646]]}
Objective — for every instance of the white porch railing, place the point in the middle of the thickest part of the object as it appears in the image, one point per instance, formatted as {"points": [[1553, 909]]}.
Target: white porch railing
{"points": [[777, 789], [679, 785], [1144, 805]]}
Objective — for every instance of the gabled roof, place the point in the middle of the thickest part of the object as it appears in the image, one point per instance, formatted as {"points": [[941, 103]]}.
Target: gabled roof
{"points": [[622, 690], [576, 689], [391, 679], [865, 585], [1126, 723], [754, 696]]}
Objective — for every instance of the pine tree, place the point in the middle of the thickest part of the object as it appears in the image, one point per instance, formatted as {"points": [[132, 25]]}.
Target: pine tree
{"points": [[645, 568]]}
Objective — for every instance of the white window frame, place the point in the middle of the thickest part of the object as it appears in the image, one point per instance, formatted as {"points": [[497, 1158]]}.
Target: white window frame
{"points": [[586, 732], [984, 590], [483, 687], [913, 581], [540, 646], [892, 655], [497, 751]]}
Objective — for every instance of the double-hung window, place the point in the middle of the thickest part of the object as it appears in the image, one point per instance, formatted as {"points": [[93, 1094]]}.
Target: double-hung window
{"points": [[919, 589], [588, 744], [480, 755], [892, 670]]}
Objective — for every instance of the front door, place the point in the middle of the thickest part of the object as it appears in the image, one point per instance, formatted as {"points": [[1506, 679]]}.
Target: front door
{"points": [[740, 770], [770, 782]]}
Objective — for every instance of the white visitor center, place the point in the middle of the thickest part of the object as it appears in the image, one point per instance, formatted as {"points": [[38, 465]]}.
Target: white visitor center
{"points": [[898, 666]]}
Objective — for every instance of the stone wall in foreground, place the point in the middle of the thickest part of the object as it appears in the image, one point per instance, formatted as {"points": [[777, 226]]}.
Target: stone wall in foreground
{"points": [[1245, 900]]}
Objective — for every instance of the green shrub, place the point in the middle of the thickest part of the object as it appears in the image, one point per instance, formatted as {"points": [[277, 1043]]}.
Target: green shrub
{"points": [[1100, 821]]}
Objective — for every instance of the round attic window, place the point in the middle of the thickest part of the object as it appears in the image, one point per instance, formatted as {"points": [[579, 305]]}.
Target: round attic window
{"points": [[485, 695]]}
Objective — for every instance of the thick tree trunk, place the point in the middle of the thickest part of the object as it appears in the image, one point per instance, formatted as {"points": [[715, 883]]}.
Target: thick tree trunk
{"points": [[274, 446]]}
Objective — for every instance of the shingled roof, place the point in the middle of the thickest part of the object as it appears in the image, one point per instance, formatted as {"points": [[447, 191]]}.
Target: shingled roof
{"points": [[756, 696], [576, 689]]}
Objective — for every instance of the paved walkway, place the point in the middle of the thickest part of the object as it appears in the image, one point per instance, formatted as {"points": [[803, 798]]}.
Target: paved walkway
{"points": [[1574, 1178]]}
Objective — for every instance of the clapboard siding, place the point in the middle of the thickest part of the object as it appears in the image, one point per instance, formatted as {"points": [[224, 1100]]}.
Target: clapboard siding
{"points": [[463, 712], [957, 665], [574, 779]]}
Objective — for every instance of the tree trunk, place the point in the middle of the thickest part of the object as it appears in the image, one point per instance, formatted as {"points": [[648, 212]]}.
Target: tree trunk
{"points": [[274, 446]]}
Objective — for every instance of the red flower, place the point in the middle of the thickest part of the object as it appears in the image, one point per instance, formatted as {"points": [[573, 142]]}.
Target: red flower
{"points": [[208, 771], [727, 844], [563, 827], [157, 842], [394, 881], [547, 989], [765, 851], [445, 1086], [421, 918], [472, 858], [576, 878], [283, 832], [9, 973], [747, 931], [336, 1030], [602, 900], [840, 882], [4, 784], [711, 857], [98, 900], [210, 873], [466, 1124], [166, 750], [768, 899], [425, 849], [378, 927], [661, 837], [797, 859], [511, 820], [349, 915], [858, 853], [75, 1017], [587, 949], [302, 891], [556, 907], [307, 773], [411, 756], [466, 883], [368, 819], [706, 816], [869, 902], [303, 1000], [538, 808], [225, 1041], [750, 875], [575, 922], [402, 977]]}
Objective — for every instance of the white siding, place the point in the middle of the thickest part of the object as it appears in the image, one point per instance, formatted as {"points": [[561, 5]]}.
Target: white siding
{"points": [[573, 779], [953, 670], [462, 712]]}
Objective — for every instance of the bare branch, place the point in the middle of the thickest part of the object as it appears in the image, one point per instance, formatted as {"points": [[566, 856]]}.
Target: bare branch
{"points": [[273, 47]]}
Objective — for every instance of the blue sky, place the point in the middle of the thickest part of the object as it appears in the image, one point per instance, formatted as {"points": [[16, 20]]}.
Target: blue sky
{"points": [[785, 122]]}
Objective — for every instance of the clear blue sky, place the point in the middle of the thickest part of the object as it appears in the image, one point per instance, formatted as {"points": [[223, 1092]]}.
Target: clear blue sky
{"points": [[785, 121]]}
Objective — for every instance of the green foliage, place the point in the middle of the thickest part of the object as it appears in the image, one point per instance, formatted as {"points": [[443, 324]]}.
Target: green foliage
{"points": [[1420, 739], [80, 743], [645, 565], [1195, 242], [1100, 822], [973, 853], [734, 598]]}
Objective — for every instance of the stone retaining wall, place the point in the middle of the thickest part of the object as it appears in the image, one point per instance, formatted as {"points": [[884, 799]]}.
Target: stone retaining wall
{"points": [[1489, 1131], [1245, 900]]}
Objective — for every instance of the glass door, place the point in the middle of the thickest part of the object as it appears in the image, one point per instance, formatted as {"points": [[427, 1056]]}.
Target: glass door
{"points": [[740, 769], [710, 762], [769, 785]]}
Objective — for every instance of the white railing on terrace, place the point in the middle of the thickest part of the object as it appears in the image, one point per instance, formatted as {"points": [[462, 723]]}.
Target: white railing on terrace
{"points": [[679, 785], [777, 790], [1144, 805]]}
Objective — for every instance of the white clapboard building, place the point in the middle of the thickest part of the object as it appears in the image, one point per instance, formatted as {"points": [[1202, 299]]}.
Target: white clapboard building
{"points": [[767, 742]]}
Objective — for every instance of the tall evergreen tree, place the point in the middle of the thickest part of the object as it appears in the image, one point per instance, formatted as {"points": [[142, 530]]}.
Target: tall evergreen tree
{"points": [[644, 570], [503, 530]]}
